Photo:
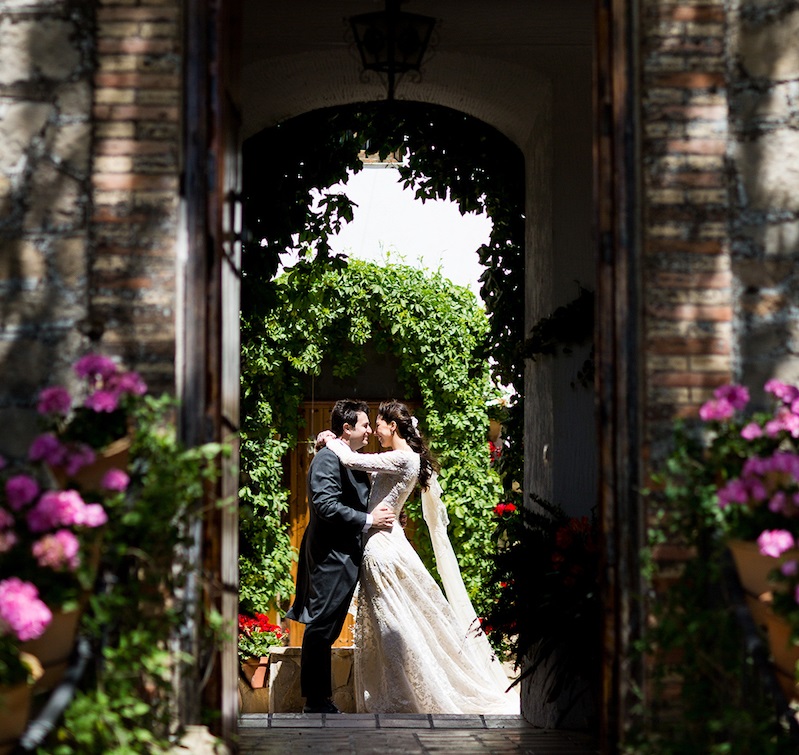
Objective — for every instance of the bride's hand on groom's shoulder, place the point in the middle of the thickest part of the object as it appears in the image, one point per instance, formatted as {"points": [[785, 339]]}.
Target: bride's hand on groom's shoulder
{"points": [[323, 438]]}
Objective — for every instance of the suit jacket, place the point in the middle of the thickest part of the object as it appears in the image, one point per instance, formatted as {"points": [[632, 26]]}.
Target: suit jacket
{"points": [[332, 546]]}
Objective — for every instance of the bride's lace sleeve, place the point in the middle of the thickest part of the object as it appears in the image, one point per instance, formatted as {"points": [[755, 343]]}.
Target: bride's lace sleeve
{"points": [[387, 461]]}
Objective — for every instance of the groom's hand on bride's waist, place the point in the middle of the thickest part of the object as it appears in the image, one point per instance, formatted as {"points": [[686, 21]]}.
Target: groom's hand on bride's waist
{"points": [[383, 517]]}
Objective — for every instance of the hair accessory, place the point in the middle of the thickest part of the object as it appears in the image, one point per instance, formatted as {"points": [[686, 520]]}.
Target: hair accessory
{"points": [[415, 423]]}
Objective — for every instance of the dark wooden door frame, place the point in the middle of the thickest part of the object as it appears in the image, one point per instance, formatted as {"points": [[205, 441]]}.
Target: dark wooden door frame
{"points": [[618, 351]]}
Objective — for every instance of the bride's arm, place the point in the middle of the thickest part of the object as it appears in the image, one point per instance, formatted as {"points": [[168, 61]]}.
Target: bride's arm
{"points": [[387, 461]]}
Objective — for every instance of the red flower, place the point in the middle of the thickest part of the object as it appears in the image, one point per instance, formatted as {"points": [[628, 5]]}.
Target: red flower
{"points": [[504, 508]]}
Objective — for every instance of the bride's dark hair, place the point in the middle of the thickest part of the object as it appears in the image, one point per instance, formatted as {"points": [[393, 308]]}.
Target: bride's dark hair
{"points": [[396, 411]]}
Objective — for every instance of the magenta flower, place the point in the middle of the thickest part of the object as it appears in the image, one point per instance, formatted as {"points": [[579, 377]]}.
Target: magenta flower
{"points": [[752, 431], [128, 382], [717, 409], [58, 551], [22, 613], [20, 491], [775, 542], [785, 393], [115, 479], [49, 449], [102, 401], [95, 366], [736, 395], [56, 508], [733, 492], [93, 515], [54, 400], [78, 457], [790, 568]]}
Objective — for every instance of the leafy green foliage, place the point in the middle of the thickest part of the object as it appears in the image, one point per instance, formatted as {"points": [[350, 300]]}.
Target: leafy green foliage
{"points": [[435, 328], [125, 703]]}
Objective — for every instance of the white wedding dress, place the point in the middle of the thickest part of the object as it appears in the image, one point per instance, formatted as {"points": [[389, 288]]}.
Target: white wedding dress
{"points": [[416, 651]]}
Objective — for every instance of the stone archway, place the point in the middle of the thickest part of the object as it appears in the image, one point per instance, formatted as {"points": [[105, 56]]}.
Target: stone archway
{"points": [[526, 71]]}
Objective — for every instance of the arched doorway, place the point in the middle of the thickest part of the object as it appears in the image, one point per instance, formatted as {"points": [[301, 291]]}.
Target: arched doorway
{"points": [[522, 70]]}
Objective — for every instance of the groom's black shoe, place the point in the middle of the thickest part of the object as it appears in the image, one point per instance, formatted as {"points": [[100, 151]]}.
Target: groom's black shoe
{"points": [[320, 706]]}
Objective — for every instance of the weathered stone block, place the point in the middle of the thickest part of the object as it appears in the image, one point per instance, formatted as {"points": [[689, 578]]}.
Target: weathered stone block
{"points": [[54, 199], [770, 170], [20, 122], [71, 260], [770, 49], [763, 273], [775, 238], [71, 145], [32, 48], [21, 260]]}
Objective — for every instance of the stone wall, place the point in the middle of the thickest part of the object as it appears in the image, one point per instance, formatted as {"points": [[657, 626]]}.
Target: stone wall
{"points": [[688, 284], [763, 67], [46, 50]]}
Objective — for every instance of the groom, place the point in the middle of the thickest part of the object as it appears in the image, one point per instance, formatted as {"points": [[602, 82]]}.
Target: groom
{"points": [[331, 551]]}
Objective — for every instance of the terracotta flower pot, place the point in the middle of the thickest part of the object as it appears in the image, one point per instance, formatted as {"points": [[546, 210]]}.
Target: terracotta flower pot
{"points": [[54, 648], [15, 708], [754, 568], [114, 456], [256, 671]]}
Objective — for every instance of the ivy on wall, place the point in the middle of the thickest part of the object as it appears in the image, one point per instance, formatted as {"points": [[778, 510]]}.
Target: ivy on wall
{"points": [[435, 329]]}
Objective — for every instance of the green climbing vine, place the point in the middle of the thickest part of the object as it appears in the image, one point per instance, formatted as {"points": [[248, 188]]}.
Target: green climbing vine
{"points": [[437, 331]]}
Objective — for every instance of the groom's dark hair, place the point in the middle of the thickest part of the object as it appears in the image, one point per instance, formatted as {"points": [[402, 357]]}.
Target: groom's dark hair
{"points": [[346, 412]]}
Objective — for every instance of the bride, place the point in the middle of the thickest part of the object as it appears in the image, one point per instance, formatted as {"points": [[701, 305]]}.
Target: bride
{"points": [[417, 651]]}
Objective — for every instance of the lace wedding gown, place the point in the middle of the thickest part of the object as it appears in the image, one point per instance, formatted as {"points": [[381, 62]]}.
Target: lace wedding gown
{"points": [[415, 651]]}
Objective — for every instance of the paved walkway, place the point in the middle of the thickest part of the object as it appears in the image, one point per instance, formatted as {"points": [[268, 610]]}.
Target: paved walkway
{"points": [[365, 734]]}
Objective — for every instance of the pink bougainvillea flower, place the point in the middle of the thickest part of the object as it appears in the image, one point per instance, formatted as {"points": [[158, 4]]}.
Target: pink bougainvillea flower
{"points": [[717, 409], [115, 479], [93, 515], [752, 431], [777, 502], [56, 508], [790, 568], [736, 395], [49, 449], [733, 492], [785, 393], [22, 613], [775, 542], [77, 457], [54, 400], [128, 382], [95, 366], [20, 491], [58, 551], [102, 401]]}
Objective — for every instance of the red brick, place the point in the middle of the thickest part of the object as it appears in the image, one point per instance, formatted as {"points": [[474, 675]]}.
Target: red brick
{"points": [[689, 379], [666, 246], [686, 280], [137, 80], [689, 178], [696, 146], [136, 113], [692, 312], [112, 181], [142, 13], [687, 346], [132, 147], [135, 45], [699, 13], [689, 80]]}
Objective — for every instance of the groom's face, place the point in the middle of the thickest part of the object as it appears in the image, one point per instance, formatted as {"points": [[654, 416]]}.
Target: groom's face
{"points": [[359, 435]]}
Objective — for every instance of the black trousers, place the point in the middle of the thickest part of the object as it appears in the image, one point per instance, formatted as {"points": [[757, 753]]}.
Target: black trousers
{"points": [[315, 661]]}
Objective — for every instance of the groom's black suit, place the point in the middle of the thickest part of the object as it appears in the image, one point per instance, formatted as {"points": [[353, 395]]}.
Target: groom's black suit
{"points": [[327, 572]]}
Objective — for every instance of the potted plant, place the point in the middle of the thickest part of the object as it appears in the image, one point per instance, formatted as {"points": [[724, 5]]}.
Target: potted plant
{"points": [[743, 475], [257, 634], [546, 603]]}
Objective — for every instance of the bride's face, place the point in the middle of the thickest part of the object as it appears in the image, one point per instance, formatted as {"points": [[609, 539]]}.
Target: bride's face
{"points": [[384, 432]]}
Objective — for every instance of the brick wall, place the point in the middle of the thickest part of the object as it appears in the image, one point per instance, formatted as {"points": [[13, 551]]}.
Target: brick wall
{"points": [[688, 313], [135, 183]]}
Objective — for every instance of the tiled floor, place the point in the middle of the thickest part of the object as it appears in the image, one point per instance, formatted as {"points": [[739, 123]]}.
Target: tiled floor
{"points": [[360, 734]]}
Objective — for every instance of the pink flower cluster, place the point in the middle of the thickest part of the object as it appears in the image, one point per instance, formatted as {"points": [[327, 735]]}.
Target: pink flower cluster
{"points": [[725, 402], [773, 481], [22, 613]]}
